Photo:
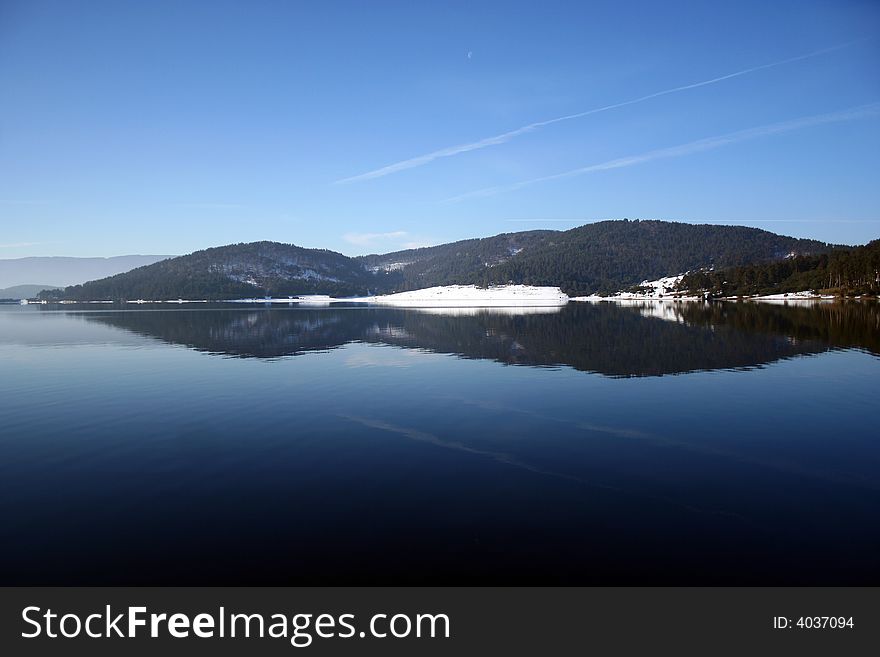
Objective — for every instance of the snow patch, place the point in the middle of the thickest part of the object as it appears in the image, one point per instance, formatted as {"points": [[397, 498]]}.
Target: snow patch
{"points": [[389, 266], [315, 300], [661, 289]]}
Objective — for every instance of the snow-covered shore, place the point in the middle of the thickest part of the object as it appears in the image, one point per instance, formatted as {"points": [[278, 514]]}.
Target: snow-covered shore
{"points": [[463, 296], [792, 298], [499, 296], [659, 290], [447, 296], [664, 289], [805, 295]]}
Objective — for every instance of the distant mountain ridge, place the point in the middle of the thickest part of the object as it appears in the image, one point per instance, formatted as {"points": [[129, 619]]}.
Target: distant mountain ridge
{"points": [[61, 271], [600, 257]]}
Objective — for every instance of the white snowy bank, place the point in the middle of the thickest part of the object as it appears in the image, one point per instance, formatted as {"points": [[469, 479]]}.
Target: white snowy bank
{"points": [[448, 296], [805, 295], [465, 296]]}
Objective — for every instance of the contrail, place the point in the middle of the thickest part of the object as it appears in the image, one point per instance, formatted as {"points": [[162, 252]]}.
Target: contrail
{"points": [[507, 136], [709, 143]]}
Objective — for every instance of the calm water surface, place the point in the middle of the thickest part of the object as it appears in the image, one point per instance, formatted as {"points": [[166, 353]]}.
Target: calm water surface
{"points": [[650, 443]]}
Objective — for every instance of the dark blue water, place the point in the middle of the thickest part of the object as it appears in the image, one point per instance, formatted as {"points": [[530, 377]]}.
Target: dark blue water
{"points": [[676, 444]]}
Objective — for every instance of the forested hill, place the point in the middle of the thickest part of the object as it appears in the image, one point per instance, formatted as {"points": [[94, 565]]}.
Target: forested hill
{"points": [[601, 257], [843, 272], [237, 270], [608, 256], [456, 261]]}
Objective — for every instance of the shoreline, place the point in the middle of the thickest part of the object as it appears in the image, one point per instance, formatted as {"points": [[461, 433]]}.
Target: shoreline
{"points": [[501, 296]]}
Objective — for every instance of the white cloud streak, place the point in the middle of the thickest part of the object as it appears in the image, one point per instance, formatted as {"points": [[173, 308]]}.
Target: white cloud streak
{"points": [[18, 245], [709, 143], [504, 137]]}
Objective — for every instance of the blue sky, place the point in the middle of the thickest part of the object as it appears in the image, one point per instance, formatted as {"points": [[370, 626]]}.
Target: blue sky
{"points": [[165, 127]]}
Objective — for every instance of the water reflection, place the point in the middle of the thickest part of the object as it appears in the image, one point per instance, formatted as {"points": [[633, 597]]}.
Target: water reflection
{"points": [[370, 463], [636, 339]]}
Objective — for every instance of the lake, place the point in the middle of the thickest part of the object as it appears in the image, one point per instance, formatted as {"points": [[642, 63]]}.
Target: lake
{"points": [[647, 443]]}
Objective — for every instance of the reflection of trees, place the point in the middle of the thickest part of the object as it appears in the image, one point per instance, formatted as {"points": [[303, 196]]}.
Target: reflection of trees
{"points": [[240, 333], [839, 325], [611, 339]]}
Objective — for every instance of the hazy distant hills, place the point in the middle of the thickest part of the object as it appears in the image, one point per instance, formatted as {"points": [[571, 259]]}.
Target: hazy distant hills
{"points": [[599, 257], [61, 271], [24, 291]]}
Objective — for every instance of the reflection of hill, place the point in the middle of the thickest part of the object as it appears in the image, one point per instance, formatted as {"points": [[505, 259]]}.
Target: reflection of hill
{"points": [[240, 333], [610, 339]]}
